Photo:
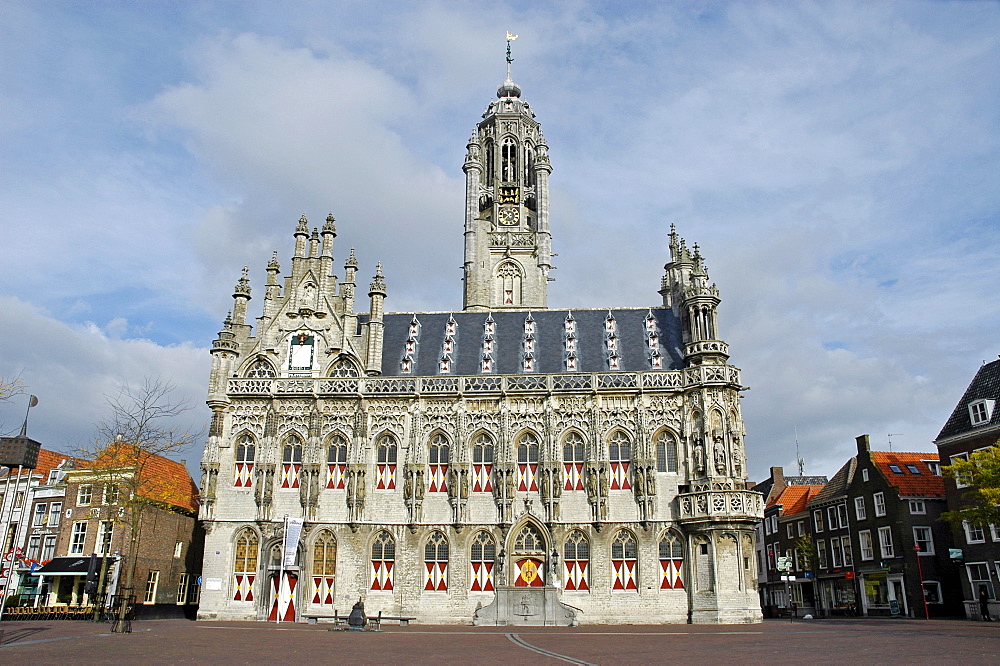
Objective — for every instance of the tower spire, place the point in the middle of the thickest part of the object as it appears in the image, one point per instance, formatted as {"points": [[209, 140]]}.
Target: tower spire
{"points": [[510, 38]]}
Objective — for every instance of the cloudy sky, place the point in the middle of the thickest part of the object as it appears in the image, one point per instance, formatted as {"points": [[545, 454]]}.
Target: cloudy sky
{"points": [[837, 162]]}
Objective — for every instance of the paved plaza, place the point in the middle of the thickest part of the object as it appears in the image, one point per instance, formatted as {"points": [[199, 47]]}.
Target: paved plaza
{"points": [[856, 641]]}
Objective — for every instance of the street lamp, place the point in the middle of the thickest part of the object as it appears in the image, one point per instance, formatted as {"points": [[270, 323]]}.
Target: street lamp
{"points": [[920, 573]]}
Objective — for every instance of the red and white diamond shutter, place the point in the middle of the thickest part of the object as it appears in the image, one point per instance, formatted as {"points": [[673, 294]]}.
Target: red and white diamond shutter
{"points": [[437, 457], [623, 562], [383, 559], [245, 453], [385, 466], [482, 464], [336, 466], [671, 563], [291, 462], [436, 563], [483, 556], [324, 568], [620, 456], [283, 597], [527, 463], [245, 565], [573, 457], [576, 558]]}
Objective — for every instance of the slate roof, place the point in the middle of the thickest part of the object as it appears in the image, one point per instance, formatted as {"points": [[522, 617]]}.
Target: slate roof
{"points": [[793, 499], [838, 484], [925, 484], [549, 355], [986, 384]]}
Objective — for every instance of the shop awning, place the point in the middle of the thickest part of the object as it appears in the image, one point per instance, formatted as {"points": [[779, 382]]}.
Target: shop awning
{"points": [[70, 566]]}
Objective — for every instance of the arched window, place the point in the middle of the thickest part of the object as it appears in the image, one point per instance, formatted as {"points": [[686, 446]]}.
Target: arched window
{"points": [[666, 452], [490, 163], [343, 367], [436, 563], [508, 281], [245, 565], [324, 568], [529, 554], [671, 562], [385, 456], [529, 166], [483, 557], [573, 458], [620, 456], [482, 463], [624, 556], [383, 559], [576, 556], [527, 463], [508, 164], [291, 462], [437, 456], [246, 452], [336, 463], [260, 369]]}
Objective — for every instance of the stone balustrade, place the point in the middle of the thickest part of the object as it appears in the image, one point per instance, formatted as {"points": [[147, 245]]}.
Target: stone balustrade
{"points": [[720, 504]]}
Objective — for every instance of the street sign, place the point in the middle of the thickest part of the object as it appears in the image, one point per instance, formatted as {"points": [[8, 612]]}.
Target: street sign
{"points": [[784, 563]]}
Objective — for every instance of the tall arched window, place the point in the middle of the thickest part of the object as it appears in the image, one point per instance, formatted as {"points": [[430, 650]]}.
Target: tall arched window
{"points": [[671, 562], [246, 452], [529, 554], [324, 568], [260, 369], [483, 556], [482, 463], [436, 563], [573, 459], [666, 452], [245, 565], [529, 166], [490, 163], [383, 559], [438, 457], [291, 462], [508, 163], [385, 456], [336, 463], [343, 367], [624, 557], [620, 456], [508, 280], [576, 556], [527, 463]]}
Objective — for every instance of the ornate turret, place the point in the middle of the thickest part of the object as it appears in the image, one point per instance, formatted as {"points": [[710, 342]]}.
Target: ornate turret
{"points": [[241, 295], [376, 294], [508, 244]]}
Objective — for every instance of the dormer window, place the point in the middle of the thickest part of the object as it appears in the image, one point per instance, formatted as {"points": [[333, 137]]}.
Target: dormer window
{"points": [[650, 323], [490, 327], [451, 327], [571, 363], [981, 411], [529, 325], [411, 346], [656, 361], [529, 364], [407, 365], [445, 365], [612, 344], [529, 346], [895, 469], [487, 365], [609, 324], [570, 344], [449, 346], [487, 346], [613, 362], [414, 328]]}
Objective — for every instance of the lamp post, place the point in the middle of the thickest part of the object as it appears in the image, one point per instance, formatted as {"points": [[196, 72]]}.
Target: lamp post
{"points": [[920, 573]]}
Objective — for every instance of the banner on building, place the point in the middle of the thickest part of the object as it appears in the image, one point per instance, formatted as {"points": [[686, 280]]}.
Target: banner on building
{"points": [[293, 530]]}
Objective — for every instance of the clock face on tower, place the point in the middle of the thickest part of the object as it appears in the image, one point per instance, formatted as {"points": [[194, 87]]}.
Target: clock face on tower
{"points": [[508, 215]]}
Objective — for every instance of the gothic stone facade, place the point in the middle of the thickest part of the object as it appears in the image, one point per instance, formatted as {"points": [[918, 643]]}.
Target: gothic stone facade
{"points": [[441, 459]]}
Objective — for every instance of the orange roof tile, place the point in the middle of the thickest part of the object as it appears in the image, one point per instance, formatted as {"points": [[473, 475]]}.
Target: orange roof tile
{"points": [[793, 499], [925, 484], [162, 479], [47, 460]]}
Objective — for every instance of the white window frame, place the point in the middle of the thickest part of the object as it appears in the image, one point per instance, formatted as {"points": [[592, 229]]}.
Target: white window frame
{"points": [[848, 550], [818, 519], [885, 545], [973, 534], [934, 466], [864, 475], [866, 545], [48, 547], [860, 512], [821, 553], [55, 514], [831, 517], [981, 411], [105, 535], [918, 507], [929, 540], [879, 501], [790, 530], [937, 586], [959, 456], [976, 582], [34, 546], [152, 582], [182, 590], [41, 514], [799, 528], [835, 558], [78, 538], [84, 494], [994, 532], [178, 549]]}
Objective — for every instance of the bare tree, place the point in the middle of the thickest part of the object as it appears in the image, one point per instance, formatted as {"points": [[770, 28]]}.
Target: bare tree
{"points": [[142, 427], [10, 387]]}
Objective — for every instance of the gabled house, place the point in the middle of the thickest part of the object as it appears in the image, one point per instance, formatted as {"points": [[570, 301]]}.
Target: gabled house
{"points": [[974, 425]]}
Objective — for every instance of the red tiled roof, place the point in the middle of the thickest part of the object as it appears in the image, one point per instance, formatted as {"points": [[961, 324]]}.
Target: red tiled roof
{"points": [[162, 479], [793, 499], [909, 484]]}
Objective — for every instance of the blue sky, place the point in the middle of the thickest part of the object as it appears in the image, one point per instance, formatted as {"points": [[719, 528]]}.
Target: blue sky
{"points": [[836, 162]]}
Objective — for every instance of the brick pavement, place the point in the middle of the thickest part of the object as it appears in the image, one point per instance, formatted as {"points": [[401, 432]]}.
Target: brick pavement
{"points": [[824, 641]]}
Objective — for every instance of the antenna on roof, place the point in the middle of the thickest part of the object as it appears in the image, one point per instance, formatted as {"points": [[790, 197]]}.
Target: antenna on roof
{"points": [[801, 462], [890, 436]]}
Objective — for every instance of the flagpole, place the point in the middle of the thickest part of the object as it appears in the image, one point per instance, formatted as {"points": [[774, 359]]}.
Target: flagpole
{"points": [[281, 573]]}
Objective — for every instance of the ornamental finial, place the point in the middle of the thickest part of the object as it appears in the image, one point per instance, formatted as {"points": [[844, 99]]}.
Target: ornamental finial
{"points": [[510, 38]]}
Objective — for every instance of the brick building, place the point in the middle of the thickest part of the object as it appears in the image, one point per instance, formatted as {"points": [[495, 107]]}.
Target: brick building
{"points": [[974, 425]]}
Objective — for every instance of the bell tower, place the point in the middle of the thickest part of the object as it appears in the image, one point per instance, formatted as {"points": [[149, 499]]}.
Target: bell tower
{"points": [[508, 244]]}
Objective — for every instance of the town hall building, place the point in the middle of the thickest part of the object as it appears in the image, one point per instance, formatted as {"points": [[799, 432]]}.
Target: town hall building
{"points": [[506, 463]]}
